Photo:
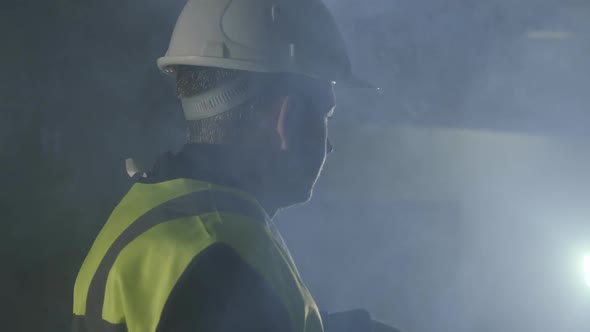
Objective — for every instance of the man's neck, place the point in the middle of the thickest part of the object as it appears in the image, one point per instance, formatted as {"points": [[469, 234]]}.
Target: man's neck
{"points": [[220, 164]]}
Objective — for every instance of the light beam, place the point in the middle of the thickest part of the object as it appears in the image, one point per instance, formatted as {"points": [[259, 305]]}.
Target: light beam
{"points": [[587, 269]]}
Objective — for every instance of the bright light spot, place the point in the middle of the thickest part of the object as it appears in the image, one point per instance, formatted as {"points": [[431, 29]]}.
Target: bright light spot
{"points": [[587, 269], [549, 34]]}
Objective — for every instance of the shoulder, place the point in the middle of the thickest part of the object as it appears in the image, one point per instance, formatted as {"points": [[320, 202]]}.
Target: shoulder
{"points": [[162, 253], [219, 291]]}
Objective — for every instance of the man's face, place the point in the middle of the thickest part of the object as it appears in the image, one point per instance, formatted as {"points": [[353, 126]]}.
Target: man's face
{"points": [[306, 127]]}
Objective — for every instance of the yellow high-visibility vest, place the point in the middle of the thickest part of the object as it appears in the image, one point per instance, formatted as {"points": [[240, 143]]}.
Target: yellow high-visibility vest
{"points": [[152, 236]]}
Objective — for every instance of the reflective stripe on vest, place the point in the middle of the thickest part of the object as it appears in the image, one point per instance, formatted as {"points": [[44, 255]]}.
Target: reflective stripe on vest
{"points": [[185, 217]]}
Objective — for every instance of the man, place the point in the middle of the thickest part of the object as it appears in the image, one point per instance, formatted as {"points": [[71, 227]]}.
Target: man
{"points": [[192, 247]]}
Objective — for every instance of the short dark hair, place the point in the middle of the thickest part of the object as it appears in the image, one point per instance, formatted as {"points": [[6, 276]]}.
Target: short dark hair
{"points": [[228, 127]]}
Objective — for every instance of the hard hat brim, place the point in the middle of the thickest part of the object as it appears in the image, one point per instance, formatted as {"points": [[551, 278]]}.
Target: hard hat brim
{"points": [[355, 82]]}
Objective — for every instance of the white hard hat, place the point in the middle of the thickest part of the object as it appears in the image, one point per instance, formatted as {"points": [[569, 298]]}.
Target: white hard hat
{"points": [[291, 36]]}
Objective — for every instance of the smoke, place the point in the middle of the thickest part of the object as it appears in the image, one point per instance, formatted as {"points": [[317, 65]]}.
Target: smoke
{"points": [[456, 198]]}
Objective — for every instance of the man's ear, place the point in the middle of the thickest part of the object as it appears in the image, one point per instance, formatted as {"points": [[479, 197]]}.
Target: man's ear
{"points": [[284, 105]]}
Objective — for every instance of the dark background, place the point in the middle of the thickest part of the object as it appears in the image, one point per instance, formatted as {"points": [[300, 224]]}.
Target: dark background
{"points": [[477, 115], [80, 93]]}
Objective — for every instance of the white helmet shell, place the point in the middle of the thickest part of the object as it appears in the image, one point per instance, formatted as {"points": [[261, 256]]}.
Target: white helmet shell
{"points": [[291, 36]]}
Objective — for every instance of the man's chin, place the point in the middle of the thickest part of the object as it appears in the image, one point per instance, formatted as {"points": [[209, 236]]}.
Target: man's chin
{"points": [[297, 193], [300, 197]]}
